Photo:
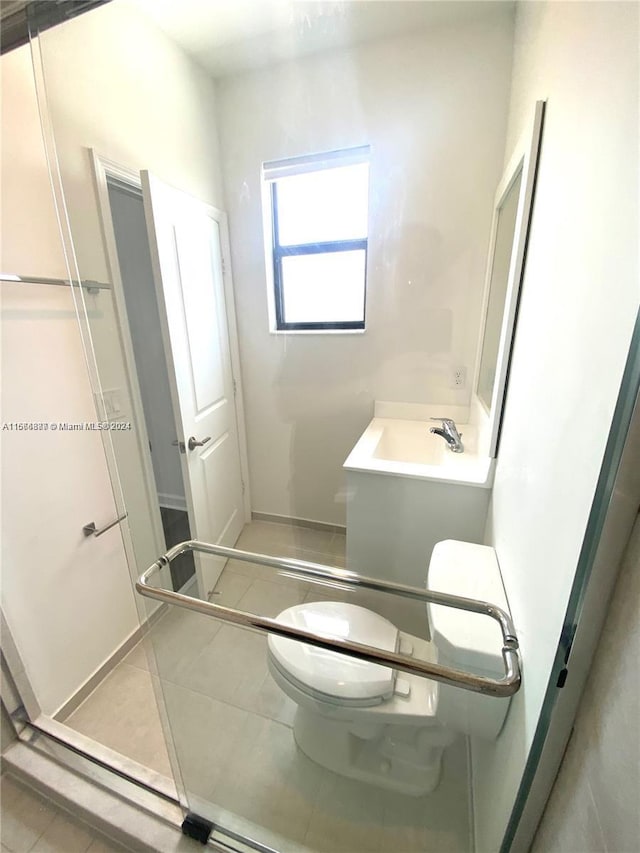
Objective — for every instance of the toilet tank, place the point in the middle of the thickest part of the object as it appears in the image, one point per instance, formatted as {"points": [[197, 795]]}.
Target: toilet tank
{"points": [[468, 641]]}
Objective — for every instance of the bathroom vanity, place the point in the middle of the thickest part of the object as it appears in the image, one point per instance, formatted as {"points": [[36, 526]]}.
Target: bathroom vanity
{"points": [[407, 491]]}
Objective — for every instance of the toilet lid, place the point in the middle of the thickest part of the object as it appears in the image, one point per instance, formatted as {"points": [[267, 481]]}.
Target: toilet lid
{"points": [[332, 673]]}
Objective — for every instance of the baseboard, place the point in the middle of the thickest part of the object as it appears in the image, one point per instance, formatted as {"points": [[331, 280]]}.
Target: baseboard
{"points": [[103, 671], [186, 587], [299, 522], [172, 501]]}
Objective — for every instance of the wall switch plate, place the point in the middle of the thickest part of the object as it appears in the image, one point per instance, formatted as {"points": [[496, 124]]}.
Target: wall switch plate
{"points": [[459, 377], [112, 407]]}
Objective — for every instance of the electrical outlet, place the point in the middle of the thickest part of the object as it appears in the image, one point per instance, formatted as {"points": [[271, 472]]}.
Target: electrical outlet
{"points": [[459, 378]]}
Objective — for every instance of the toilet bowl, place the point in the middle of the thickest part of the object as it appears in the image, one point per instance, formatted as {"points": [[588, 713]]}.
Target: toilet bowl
{"points": [[389, 728]]}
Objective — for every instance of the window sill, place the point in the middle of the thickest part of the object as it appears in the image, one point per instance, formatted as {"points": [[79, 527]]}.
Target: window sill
{"points": [[317, 331]]}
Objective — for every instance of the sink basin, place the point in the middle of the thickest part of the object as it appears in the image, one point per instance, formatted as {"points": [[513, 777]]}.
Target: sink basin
{"points": [[406, 448], [409, 441]]}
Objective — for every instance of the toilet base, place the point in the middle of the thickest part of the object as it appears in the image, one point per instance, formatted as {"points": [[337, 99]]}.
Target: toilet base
{"points": [[397, 758]]}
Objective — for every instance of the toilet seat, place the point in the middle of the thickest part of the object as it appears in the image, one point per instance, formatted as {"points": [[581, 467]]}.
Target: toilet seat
{"points": [[301, 692], [330, 676]]}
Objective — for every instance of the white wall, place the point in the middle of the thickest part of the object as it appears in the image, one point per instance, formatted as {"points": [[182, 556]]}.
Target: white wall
{"points": [[117, 84], [67, 600], [130, 230], [579, 301], [433, 107], [594, 802]]}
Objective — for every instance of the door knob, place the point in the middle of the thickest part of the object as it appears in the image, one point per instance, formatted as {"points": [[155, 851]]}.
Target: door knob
{"points": [[193, 442]]}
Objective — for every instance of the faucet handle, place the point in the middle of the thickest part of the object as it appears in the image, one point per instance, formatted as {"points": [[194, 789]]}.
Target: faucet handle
{"points": [[443, 420]]}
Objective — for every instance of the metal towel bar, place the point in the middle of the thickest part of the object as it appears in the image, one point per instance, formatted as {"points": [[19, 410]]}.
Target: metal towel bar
{"points": [[91, 529], [316, 573], [90, 285]]}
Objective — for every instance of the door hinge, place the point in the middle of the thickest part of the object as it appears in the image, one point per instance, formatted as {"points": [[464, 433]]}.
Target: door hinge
{"points": [[224, 266], [243, 486], [235, 387]]}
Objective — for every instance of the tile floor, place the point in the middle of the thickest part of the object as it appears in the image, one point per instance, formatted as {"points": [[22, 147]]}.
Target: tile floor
{"points": [[31, 823], [231, 724]]}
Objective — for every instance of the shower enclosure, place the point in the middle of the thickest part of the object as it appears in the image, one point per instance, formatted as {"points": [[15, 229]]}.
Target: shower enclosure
{"points": [[155, 277]]}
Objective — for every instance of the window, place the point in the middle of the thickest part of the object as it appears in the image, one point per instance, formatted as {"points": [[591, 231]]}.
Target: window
{"points": [[318, 238]]}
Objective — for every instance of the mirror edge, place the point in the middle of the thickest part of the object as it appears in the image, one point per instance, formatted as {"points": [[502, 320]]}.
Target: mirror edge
{"points": [[525, 157]]}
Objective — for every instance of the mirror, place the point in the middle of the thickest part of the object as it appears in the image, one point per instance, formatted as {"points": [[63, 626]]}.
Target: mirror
{"points": [[505, 232], [512, 211]]}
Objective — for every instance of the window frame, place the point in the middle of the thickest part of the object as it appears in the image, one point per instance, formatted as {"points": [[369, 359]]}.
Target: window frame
{"points": [[279, 251]]}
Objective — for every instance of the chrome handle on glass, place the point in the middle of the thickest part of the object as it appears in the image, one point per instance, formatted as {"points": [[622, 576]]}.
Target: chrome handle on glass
{"points": [[341, 578], [91, 529], [193, 442]]}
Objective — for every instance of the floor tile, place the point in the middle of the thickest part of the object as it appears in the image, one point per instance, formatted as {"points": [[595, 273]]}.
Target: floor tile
{"points": [[230, 589], [311, 540], [10, 790], [438, 822], [173, 642], [235, 657], [338, 545], [100, 845], [206, 737], [417, 824], [269, 599], [263, 537], [249, 570], [273, 784], [323, 558], [64, 835], [122, 714], [266, 699], [42, 827], [25, 816], [347, 817]]}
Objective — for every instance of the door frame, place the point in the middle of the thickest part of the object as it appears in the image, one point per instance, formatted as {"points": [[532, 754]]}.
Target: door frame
{"points": [[104, 168]]}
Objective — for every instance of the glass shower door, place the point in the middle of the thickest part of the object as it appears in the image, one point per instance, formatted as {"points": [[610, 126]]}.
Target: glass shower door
{"points": [[244, 745], [120, 83], [227, 725]]}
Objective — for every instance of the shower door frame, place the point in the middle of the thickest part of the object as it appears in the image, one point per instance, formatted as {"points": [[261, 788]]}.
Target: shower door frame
{"points": [[555, 723], [614, 511]]}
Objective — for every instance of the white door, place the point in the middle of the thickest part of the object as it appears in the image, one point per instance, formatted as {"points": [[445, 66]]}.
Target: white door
{"points": [[185, 241]]}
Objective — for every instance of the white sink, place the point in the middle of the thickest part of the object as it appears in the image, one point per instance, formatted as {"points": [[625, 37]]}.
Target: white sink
{"points": [[406, 448]]}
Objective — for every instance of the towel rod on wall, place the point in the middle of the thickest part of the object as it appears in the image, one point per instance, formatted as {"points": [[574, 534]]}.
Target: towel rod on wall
{"points": [[91, 529], [90, 285]]}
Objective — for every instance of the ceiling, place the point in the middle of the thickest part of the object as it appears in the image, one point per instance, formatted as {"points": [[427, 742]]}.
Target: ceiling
{"points": [[231, 36]]}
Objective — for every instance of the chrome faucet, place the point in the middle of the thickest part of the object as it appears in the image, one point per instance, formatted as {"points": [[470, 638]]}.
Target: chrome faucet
{"points": [[449, 431]]}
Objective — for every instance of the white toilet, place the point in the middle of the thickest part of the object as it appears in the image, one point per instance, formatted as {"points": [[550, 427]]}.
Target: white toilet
{"points": [[368, 722]]}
